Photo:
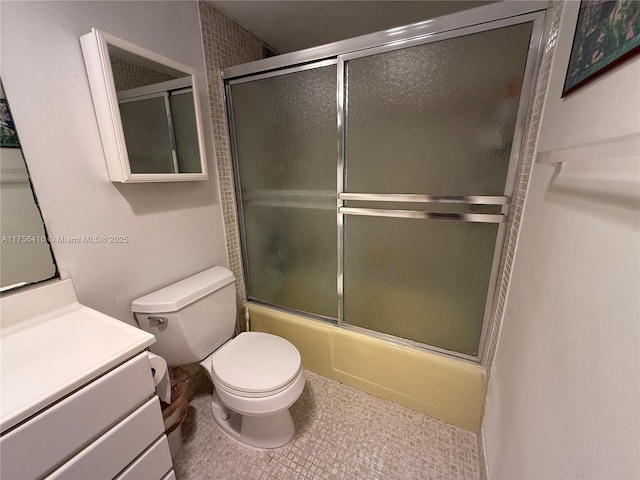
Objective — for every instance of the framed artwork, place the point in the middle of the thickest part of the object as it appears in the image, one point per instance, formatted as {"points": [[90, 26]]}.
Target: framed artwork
{"points": [[607, 32], [8, 135]]}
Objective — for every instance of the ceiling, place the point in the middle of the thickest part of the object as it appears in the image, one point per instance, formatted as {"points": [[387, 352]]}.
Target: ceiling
{"points": [[294, 25]]}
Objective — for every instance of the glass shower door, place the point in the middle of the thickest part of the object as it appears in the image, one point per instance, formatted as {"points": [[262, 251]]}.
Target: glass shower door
{"points": [[286, 149], [373, 187], [429, 131]]}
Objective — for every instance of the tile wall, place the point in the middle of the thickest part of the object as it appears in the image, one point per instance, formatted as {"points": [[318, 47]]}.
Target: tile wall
{"points": [[552, 24], [523, 176], [226, 44], [127, 75]]}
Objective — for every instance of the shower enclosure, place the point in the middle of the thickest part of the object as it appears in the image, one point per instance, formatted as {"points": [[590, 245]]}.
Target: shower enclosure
{"points": [[374, 175]]}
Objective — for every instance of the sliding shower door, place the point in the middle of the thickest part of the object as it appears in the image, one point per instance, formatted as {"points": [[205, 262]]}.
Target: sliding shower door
{"points": [[374, 187], [429, 131], [286, 150]]}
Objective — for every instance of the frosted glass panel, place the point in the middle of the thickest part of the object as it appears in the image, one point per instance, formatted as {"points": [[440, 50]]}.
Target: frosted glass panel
{"points": [[286, 133], [146, 133], [186, 132], [287, 151], [437, 118], [292, 257], [423, 280]]}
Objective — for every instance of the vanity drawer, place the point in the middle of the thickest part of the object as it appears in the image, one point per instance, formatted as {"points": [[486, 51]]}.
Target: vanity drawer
{"points": [[59, 432], [152, 464], [117, 448], [170, 476]]}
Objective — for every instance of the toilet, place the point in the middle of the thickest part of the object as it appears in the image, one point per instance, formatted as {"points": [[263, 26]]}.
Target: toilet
{"points": [[256, 376]]}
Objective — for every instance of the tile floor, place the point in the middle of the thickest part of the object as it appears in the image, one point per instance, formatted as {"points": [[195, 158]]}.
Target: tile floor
{"points": [[341, 433]]}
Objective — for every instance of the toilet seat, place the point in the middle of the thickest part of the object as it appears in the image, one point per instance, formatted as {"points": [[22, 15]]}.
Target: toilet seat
{"points": [[255, 365]]}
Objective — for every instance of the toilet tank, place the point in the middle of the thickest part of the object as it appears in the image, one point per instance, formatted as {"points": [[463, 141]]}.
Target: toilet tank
{"points": [[191, 318]]}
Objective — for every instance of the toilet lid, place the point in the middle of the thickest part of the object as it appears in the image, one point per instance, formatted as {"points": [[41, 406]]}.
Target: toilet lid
{"points": [[255, 362]]}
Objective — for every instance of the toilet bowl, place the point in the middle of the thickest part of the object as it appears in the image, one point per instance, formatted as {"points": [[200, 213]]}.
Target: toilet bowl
{"points": [[256, 376]]}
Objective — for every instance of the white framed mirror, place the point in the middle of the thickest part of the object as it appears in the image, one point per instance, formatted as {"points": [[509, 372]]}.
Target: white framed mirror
{"points": [[148, 112]]}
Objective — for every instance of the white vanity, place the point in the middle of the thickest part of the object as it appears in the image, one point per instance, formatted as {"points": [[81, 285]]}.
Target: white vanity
{"points": [[77, 398]]}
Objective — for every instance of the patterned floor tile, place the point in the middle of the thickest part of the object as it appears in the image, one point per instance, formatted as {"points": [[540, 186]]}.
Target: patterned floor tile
{"points": [[341, 434]]}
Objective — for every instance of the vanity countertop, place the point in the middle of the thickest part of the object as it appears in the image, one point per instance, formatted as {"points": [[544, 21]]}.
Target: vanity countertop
{"points": [[50, 345]]}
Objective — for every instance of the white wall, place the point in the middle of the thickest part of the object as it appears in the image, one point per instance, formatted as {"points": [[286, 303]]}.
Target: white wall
{"points": [[174, 230], [564, 396]]}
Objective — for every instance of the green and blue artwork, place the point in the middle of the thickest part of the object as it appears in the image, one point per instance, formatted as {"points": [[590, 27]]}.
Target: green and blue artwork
{"points": [[8, 135], [607, 32]]}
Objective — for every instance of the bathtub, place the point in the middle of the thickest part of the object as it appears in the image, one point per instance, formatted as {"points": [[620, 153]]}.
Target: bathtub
{"points": [[445, 388]]}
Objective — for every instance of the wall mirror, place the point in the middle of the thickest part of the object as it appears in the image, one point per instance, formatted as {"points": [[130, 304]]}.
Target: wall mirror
{"points": [[25, 249], [148, 112]]}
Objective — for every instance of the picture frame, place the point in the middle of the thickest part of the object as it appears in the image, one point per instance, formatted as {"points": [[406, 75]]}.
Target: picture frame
{"points": [[607, 33], [8, 133]]}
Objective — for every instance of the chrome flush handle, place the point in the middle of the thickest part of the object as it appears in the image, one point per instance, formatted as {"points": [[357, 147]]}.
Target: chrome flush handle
{"points": [[157, 320]]}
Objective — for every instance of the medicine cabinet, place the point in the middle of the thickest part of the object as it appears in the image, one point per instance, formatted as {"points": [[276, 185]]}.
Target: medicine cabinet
{"points": [[148, 112]]}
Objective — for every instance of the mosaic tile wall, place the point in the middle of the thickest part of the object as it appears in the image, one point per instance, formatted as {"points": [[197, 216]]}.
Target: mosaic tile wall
{"points": [[226, 44], [127, 75], [523, 176], [552, 24]]}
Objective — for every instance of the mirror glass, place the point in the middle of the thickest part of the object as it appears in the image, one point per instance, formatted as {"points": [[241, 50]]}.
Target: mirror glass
{"points": [[158, 116], [25, 252], [148, 111]]}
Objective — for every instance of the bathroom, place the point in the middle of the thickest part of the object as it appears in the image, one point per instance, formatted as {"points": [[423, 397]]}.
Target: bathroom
{"points": [[562, 383]]}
